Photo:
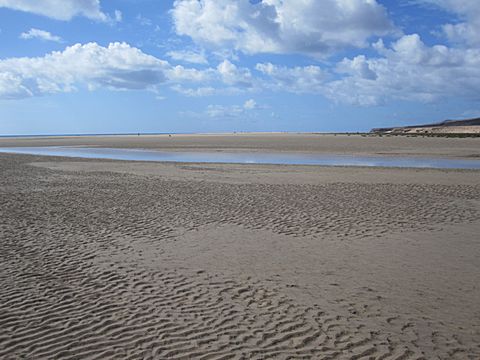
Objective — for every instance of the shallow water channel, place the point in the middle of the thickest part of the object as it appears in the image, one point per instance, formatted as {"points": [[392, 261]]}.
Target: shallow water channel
{"points": [[246, 157]]}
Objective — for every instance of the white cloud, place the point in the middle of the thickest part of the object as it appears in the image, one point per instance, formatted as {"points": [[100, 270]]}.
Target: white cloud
{"points": [[188, 56], [462, 7], [197, 92], [118, 16], [117, 66], [250, 104], [58, 9], [11, 86], [300, 79], [467, 30], [316, 28], [221, 111], [408, 70], [250, 109], [233, 75], [182, 74], [358, 67], [40, 34]]}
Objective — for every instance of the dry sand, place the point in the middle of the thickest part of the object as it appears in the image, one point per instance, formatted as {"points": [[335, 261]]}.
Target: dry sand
{"points": [[115, 259]]}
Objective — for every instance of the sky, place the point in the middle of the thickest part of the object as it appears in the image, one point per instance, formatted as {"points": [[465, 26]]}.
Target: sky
{"points": [[164, 66]]}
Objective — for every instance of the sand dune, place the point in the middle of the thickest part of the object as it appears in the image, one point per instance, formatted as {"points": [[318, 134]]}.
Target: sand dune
{"points": [[467, 126], [119, 260]]}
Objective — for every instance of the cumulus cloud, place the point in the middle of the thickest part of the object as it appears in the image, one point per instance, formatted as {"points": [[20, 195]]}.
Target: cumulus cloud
{"points": [[40, 34], [408, 70], [316, 28], [117, 66], [232, 75], [226, 79], [181, 74], [467, 29], [299, 79], [58, 9]]}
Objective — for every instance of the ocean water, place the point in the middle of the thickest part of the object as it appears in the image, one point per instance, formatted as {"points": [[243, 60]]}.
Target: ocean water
{"points": [[245, 157]]}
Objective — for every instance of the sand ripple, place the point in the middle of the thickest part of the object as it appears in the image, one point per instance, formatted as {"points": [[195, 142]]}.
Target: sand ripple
{"points": [[65, 295]]}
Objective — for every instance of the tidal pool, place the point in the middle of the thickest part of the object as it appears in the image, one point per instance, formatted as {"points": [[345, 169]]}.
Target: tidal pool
{"points": [[245, 157]]}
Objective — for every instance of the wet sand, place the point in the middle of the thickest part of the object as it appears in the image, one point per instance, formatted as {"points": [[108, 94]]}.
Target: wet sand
{"points": [[339, 144], [116, 259]]}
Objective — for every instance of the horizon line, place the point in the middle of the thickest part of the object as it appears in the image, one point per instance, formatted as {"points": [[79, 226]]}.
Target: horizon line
{"points": [[179, 133]]}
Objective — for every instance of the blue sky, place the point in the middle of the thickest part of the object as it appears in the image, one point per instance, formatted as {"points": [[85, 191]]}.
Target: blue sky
{"points": [[111, 66]]}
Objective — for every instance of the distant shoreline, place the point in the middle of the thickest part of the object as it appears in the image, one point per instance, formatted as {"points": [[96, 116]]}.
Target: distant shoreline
{"points": [[77, 135], [183, 133], [265, 133], [316, 143]]}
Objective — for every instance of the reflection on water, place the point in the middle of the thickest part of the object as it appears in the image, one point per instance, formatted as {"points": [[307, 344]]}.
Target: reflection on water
{"points": [[246, 157]]}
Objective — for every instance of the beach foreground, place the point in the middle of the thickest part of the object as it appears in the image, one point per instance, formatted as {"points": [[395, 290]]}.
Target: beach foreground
{"points": [[116, 259]]}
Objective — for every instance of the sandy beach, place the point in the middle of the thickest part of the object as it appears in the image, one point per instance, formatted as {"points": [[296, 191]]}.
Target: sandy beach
{"points": [[133, 260], [338, 144]]}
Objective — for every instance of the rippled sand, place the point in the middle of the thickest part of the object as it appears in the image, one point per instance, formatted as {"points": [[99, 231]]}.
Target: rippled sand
{"points": [[108, 259]]}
